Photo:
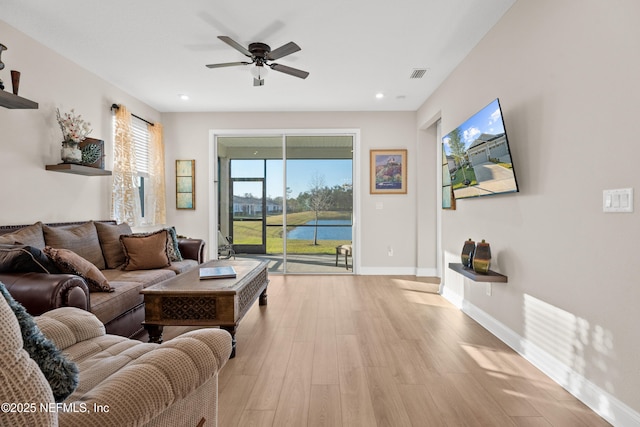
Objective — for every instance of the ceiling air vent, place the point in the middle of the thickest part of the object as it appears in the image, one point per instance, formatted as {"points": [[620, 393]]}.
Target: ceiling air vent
{"points": [[418, 73]]}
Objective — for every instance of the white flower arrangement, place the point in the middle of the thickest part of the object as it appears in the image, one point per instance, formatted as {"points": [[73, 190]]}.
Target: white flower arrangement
{"points": [[74, 128]]}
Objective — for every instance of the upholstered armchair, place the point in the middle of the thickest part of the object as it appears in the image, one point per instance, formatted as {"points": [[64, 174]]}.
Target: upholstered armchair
{"points": [[121, 382]]}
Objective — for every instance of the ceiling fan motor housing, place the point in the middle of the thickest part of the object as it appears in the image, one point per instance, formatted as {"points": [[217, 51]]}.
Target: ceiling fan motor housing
{"points": [[259, 50]]}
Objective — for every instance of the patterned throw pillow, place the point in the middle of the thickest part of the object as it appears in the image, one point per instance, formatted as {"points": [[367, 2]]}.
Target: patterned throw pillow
{"points": [[145, 251], [70, 262], [172, 245], [61, 373]]}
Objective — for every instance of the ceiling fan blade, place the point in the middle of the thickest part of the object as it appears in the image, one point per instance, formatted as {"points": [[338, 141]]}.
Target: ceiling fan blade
{"points": [[283, 50], [227, 64], [234, 44], [289, 70]]}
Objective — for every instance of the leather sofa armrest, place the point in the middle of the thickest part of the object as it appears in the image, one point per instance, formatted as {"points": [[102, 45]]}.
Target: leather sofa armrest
{"points": [[41, 292], [191, 249]]}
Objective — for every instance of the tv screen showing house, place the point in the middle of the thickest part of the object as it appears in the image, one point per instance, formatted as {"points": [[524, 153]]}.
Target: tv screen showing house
{"points": [[478, 155]]}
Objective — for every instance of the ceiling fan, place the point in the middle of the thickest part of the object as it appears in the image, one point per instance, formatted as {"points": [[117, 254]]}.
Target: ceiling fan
{"points": [[260, 54]]}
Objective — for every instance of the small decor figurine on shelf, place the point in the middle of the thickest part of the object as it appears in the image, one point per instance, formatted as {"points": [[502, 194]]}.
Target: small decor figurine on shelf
{"points": [[482, 258], [467, 253], [92, 152], [2, 48], [74, 131]]}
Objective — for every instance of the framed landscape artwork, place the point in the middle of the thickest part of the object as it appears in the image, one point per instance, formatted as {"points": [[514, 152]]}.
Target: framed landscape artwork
{"points": [[388, 171], [185, 184]]}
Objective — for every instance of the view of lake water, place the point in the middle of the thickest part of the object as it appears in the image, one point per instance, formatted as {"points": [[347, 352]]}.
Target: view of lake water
{"points": [[324, 233]]}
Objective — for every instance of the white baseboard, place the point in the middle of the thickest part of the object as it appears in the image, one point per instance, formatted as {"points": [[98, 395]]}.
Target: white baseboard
{"points": [[599, 400], [387, 271], [426, 272]]}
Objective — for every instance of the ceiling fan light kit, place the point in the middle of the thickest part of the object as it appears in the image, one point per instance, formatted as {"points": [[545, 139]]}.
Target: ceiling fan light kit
{"points": [[260, 54]]}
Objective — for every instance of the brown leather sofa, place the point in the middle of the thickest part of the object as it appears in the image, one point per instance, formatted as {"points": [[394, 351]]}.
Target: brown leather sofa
{"points": [[121, 311]]}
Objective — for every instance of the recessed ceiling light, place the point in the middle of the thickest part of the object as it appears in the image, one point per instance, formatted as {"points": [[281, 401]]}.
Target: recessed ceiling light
{"points": [[183, 97], [379, 95]]}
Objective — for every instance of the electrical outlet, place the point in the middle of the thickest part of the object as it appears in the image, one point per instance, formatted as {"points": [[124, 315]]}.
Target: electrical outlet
{"points": [[487, 289], [390, 250]]}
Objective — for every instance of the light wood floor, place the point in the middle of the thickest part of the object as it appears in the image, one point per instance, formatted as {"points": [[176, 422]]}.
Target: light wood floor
{"points": [[380, 351]]}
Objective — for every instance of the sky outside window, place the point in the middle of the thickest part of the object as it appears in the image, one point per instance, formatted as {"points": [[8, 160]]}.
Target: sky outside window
{"points": [[300, 173]]}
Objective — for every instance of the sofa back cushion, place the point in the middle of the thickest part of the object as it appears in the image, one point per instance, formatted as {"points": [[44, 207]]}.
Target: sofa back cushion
{"points": [[81, 239], [145, 251], [31, 235], [109, 236]]}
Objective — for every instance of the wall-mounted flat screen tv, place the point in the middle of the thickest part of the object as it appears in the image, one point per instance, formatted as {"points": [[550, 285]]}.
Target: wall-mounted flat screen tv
{"points": [[478, 155]]}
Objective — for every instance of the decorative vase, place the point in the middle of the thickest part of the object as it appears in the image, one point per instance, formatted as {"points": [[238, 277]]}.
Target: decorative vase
{"points": [[482, 258], [467, 253], [71, 152], [15, 81]]}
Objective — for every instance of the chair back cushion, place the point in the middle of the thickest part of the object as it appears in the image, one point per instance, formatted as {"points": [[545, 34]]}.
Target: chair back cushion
{"points": [[23, 381]]}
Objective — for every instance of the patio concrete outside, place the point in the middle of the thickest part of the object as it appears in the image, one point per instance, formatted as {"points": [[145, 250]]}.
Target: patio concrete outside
{"points": [[304, 263]]}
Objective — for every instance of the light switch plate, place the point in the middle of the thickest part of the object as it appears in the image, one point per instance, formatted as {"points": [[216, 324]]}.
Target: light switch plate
{"points": [[619, 200]]}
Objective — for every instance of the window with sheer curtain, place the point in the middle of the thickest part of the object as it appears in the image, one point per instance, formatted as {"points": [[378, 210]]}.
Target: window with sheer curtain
{"points": [[138, 172]]}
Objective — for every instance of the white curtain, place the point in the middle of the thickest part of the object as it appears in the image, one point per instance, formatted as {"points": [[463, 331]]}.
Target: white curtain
{"points": [[155, 208], [125, 200]]}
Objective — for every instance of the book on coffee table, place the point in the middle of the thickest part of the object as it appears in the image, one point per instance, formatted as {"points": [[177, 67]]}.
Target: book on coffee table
{"points": [[223, 272]]}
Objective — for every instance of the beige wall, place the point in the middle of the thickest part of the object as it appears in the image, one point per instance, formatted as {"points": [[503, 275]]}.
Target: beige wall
{"points": [[567, 74], [30, 139], [187, 136]]}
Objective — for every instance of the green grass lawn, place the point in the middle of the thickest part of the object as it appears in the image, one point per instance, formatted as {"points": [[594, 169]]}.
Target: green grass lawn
{"points": [[249, 232], [458, 179]]}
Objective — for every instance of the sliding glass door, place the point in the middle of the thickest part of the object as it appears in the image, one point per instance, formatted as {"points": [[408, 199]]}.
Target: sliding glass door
{"points": [[289, 199]]}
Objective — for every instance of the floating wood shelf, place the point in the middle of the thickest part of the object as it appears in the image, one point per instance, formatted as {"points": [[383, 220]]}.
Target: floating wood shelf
{"points": [[77, 169], [9, 100], [491, 276]]}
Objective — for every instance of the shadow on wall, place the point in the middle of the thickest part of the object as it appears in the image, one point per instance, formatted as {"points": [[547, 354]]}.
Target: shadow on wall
{"points": [[553, 333]]}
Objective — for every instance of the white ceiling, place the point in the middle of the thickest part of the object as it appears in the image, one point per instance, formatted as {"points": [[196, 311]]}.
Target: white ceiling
{"points": [[353, 49]]}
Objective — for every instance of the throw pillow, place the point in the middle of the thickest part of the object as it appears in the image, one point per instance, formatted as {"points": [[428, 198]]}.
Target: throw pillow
{"points": [[145, 251], [61, 373], [30, 235], [81, 239], [172, 245], [70, 262], [25, 259], [109, 236]]}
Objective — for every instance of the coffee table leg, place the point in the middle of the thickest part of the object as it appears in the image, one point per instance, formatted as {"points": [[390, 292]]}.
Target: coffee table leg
{"points": [[232, 331], [155, 333], [263, 297]]}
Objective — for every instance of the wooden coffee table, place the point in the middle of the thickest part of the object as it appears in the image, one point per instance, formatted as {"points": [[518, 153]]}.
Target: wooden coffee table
{"points": [[185, 300]]}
